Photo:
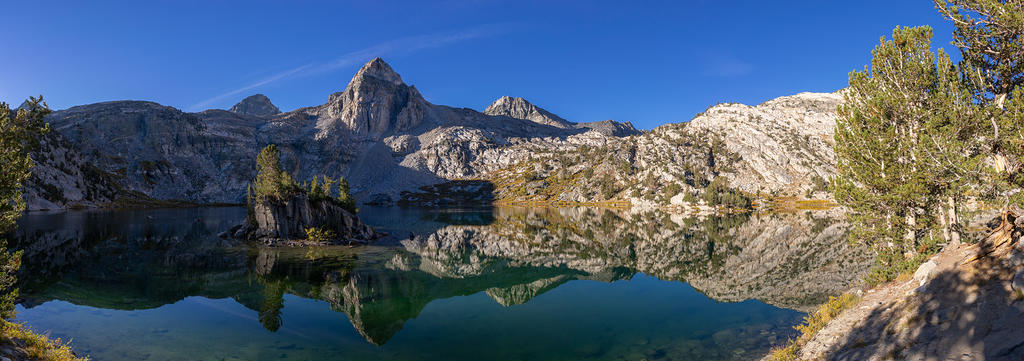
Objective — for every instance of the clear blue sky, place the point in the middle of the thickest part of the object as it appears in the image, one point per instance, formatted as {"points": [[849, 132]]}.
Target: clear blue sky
{"points": [[649, 62]]}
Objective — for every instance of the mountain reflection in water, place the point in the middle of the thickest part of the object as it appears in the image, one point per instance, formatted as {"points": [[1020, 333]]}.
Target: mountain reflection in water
{"points": [[146, 260]]}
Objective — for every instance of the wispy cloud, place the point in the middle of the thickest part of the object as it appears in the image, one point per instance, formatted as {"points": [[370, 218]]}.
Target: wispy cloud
{"points": [[725, 65], [273, 78], [397, 47]]}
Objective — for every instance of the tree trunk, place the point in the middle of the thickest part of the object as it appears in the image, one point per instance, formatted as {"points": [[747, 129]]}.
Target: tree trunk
{"points": [[911, 236], [944, 222], [953, 224], [1000, 101]]}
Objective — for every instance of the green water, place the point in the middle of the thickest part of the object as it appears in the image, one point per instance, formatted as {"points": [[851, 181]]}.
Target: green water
{"points": [[502, 284]]}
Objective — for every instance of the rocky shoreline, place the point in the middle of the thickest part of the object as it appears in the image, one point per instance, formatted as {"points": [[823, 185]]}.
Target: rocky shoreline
{"points": [[964, 303]]}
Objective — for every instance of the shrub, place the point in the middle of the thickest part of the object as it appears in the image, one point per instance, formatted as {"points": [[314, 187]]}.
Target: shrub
{"points": [[39, 347], [890, 263], [813, 323], [319, 235], [672, 189]]}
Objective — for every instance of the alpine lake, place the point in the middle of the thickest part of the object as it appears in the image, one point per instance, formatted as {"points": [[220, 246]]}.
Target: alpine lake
{"points": [[449, 284]]}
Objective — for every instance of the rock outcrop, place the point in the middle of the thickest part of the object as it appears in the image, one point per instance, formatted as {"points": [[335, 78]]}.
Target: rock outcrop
{"points": [[961, 305], [258, 105], [286, 223], [784, 142]]}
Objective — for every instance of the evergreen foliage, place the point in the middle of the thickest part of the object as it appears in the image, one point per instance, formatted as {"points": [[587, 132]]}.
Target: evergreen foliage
{"points": [[718, 193], [345, 199], [919, 135], [276, 185], [271, 182], [906, 147], [672, 189], [320, 188], [20, 131], [988, 33]]}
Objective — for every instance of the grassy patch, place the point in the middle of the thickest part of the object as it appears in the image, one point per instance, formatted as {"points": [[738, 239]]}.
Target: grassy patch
{"points": [[813, 323], [1017, 295], [793, 204], [37, 346]]}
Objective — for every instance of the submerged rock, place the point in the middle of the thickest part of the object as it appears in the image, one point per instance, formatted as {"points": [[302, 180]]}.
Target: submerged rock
{"points": [[286, 223]]}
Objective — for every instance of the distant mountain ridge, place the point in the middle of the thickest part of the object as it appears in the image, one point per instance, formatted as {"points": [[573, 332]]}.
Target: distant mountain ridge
{"points": [[258, 105], [519, 108], [383, 136]]}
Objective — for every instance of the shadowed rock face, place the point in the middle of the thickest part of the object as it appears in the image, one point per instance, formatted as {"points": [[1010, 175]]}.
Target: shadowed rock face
{"points": [[62, 178], [258, 105]]}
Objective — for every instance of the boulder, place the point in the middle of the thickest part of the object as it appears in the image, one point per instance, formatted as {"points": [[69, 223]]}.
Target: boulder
{"points": [[924, 272], [1018, 281]]}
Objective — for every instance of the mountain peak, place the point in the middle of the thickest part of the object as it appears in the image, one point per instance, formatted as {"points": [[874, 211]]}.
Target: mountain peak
{"points": [[519, 108], [257, 104], [379, 69], [376, 101], [24, 105]]}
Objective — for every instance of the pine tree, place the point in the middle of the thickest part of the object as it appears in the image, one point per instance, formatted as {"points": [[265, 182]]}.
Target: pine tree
{"points": [[19, 133], [905, 145], [344, 197], [316, 189], [988, 33], [271, 182], [328, 186]]}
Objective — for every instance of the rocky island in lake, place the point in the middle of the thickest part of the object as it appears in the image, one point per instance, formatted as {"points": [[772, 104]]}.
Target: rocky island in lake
{"points": [[282, 211]]}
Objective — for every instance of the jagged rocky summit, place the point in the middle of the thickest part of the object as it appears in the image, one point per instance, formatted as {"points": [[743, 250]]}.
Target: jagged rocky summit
{"points": [[286, 223], [389, 142]]}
